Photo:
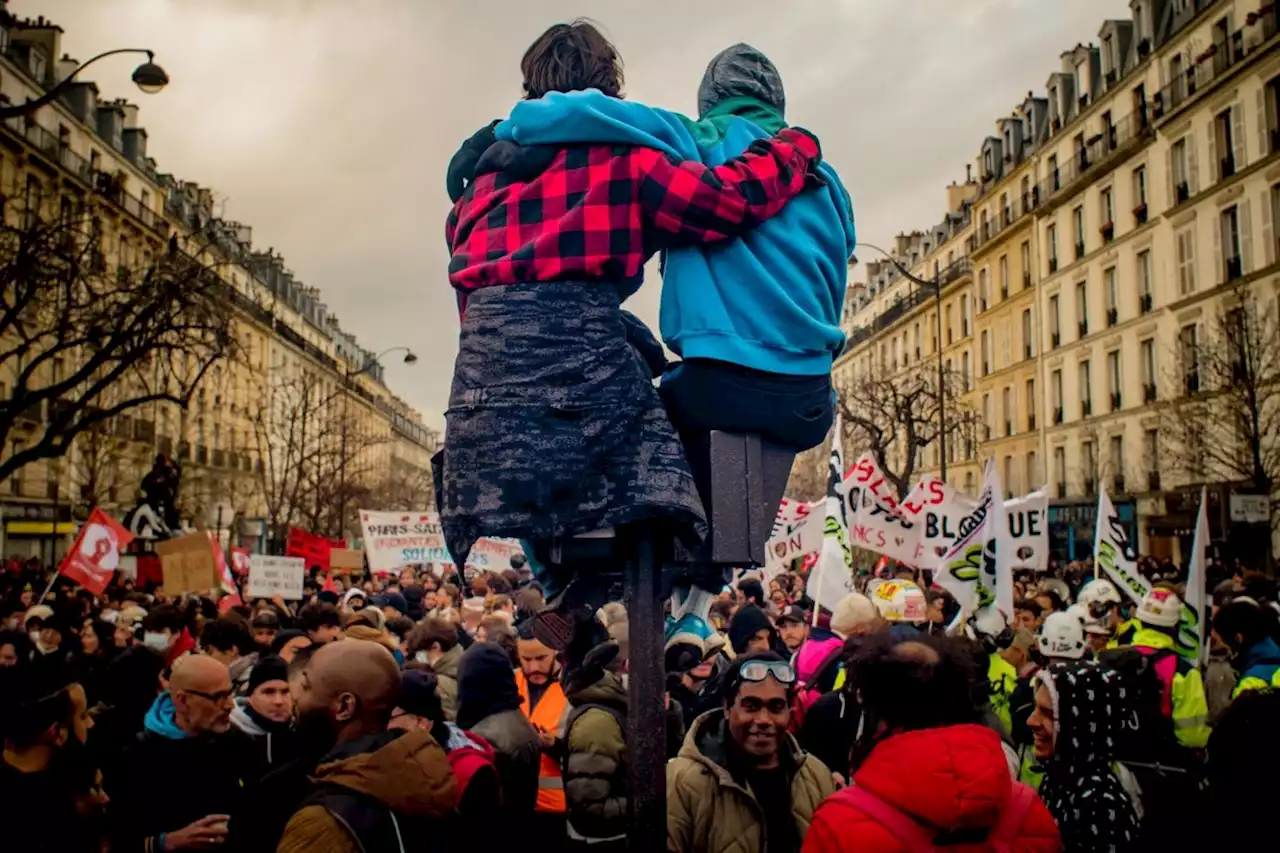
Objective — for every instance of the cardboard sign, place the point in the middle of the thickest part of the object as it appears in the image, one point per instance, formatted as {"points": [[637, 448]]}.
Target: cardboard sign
{"points": [[395, 539], [271, 576], [346, 559], [311, 547], [187, 564]]}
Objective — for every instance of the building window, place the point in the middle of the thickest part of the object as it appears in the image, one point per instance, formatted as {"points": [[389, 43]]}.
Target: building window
{"points": [[1111, 289], [1186, 256], [1180, 170], [1009, 484], [1082, 307], [947, 323], [1147, 356], [984, 295], [1117, 463], [1108, 211], [967, 370], [986, 417], [986, 352], [1055, 178], [1231, 236], [964, 315], [1077, 222], [1086, 390], [1032, 472], [1051, 238], [1151, 454], [1088, 467], [1004, 276], [1031, 404], [1028, 335], [1060, 470], [1055, 322], [1008, 410], [1144, 281], [1189, 350], [1055, 395], [1224, 144], [1113, 380]]}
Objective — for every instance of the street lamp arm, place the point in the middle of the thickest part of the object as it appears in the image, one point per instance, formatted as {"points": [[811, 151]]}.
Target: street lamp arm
{"points": [[29, 106], [907, 274]]}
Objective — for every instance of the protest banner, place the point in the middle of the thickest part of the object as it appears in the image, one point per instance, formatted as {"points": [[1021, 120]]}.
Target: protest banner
{"points": [[271, 576], [187, 564], [1114, 554], [1193, 640], [877, 522], [964, 572], [346, 559], [395, 539], [493, 554], [95, 555], [832, 578], [940, 511], [311, 547], [797, 531], [1024, 536], [871, 481]]}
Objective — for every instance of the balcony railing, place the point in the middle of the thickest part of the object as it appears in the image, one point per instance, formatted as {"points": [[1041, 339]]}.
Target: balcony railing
{"points": [[1099, 153], [1214, 64]]}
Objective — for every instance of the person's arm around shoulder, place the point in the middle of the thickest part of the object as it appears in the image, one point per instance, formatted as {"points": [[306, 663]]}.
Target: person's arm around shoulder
{"points": [[312, 829], [687, 203]]}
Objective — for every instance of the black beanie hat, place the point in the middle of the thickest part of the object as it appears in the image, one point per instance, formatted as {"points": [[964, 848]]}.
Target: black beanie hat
{"points": [[746, 623], [269, 668]]}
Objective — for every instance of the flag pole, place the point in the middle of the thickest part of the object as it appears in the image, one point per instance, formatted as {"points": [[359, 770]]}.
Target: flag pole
{"points": [[52, 580]]}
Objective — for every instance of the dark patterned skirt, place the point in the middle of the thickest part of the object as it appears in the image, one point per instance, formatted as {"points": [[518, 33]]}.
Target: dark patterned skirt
{"points": [[554, 427]]}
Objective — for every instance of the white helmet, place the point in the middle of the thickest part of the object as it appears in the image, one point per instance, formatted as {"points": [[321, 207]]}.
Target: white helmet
{"points": [[1092, 625], [899, 601], [1099, 590], [1062, 636], [1161, 608]]}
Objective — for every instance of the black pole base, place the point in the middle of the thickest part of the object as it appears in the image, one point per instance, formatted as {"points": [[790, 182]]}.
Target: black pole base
{"points": [[646, 710]]}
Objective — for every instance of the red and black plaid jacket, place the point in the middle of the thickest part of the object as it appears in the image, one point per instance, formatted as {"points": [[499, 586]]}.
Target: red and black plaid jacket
{"points": [[598, 212]]}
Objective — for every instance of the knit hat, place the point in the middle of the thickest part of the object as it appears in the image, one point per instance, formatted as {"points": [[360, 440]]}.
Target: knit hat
{"points": [[418, 694], [328, 596], [746, 623], [852, 612], [486, 684], [393, 600], [269, 668]]}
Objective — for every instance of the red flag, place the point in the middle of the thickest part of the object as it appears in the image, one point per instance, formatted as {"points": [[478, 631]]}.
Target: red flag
{"points": [[95, 555], [240, 561], [220, 563]]}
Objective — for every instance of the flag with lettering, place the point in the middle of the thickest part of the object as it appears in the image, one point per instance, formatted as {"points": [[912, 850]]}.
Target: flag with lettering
{"points": [[95, 555], [1193, 638], [832, 578], [1114, 555]]}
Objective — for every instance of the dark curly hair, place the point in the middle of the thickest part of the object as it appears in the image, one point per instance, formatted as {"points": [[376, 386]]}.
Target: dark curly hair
{"points": [[571, 57]]}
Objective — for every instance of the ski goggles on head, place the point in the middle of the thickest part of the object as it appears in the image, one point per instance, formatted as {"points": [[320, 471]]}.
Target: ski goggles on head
{"points": [[756, 671]]}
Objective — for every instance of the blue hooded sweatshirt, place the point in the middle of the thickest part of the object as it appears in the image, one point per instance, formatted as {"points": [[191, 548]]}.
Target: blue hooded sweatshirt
{"points": [[770, 300], [159, 719]]}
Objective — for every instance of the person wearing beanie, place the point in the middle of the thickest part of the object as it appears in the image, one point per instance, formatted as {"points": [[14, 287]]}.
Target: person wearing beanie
{"points": [[750, 631], [393, 604], [1184, 699], [489, 705], [265, 715]]}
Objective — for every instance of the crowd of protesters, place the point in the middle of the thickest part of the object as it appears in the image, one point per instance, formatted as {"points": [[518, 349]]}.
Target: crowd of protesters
{"points": [[402, 712]]}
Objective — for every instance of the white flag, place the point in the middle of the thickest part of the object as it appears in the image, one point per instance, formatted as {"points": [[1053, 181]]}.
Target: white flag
{"points": [[1192, 632], [832, 577], [969, 568], [1114, 554], [877, 522]]}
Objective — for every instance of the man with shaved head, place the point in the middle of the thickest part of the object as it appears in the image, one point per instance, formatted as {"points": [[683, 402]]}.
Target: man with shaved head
{"points": [[359, 786], [181, 781]]}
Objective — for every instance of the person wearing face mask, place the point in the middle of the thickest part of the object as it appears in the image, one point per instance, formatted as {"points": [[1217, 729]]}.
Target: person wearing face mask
{"points": [[435, 642], [164, 630], [741, 784], [265, 716], [46, 723], [188, 726]]}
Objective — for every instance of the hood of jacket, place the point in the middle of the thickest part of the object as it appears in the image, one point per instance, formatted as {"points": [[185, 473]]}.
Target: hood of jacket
{"points": [[706, 744], [1091, 709], [447, 664], [160, 721], [950, 778], [606, 690], [406, 771], [741, 73], [1265, 653]]}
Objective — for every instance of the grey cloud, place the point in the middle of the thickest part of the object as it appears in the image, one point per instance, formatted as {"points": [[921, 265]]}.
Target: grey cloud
{"points": [[327, 125]]}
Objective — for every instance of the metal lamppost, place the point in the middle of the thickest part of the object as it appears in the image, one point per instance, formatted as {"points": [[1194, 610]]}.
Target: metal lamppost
{"points": [[347, 377], [935, 285], [149, 77]]}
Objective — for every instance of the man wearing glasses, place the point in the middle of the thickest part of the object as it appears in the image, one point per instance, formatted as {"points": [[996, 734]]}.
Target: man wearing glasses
{"points": [[740, 782], [188, 728]]}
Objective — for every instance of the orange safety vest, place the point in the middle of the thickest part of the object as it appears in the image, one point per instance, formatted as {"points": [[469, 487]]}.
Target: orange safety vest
{"points": [[546, 718]]}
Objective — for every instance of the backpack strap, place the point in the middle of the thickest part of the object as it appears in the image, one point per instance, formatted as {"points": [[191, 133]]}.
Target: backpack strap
{"points": [[1011, 819], [911, 835]]}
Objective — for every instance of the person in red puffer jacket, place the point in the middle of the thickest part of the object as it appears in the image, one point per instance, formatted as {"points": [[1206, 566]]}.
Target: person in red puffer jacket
{"points": [[935, 779]]}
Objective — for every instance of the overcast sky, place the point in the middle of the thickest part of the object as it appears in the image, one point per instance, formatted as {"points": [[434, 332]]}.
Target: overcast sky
{"points": [[326, 125]]}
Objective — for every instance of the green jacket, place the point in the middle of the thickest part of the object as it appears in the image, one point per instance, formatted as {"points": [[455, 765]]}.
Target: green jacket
{"points": [[1190, 706], [708, 811], [595, 761]]}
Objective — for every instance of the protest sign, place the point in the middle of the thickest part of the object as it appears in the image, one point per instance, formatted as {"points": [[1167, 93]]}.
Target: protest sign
{"points": [[964, 572], [188, 565], [1024, 537], [1114, 554], [493, 554], [311, 547], [797, 531], [877, 523], [346, 559], [940, 511], [871, 481], [1193, 640], [395, 539], [271, 576]]}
